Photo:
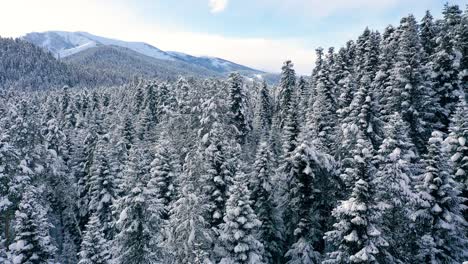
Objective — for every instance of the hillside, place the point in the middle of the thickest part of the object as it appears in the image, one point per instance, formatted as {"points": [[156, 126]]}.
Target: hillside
{"points": [[64, 44]]}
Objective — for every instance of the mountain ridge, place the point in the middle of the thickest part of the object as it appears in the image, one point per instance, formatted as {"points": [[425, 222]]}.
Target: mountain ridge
{"points": [[63, 44]]}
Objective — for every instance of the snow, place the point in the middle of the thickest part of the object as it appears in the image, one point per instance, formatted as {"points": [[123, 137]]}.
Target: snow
{"points": [[352, 236], [436, 209], [80, 41], [139, 47], [68, 52]]}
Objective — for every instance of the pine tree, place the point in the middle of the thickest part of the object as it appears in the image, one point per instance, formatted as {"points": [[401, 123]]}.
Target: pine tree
{"points": [[290, 131], [457, 148], [189, 236], [264, 113], [393, 188], [164, 170], [346, 84], [8, 195], [303, 95], [217, 147], [439, 213], [139, 223], [238, 103], [367, 52], [362, 117], [237, 232], [217, 158], [355, 237], [94, 247], [445, 68], [309, 177], [32, 242], [103, 189], [411, 95], [427, 34], [286, 92], [382, 82], [324, 107], [462, 46], [264, 204]]}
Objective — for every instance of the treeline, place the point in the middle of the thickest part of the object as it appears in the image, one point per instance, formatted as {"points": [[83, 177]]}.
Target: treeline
{"points": [[364, 162]]}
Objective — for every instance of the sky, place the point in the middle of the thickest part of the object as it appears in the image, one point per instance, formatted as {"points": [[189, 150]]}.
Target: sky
{"points": [[258, 33]]}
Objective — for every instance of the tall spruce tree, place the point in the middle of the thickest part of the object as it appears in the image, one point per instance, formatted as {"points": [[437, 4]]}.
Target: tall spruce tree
{"points": [[354, 237], [237, 232], [94, 247], [139, 223], [286, 92], [439, 212], [262, 184], [393, 188], [238, 103], [32, 242]]}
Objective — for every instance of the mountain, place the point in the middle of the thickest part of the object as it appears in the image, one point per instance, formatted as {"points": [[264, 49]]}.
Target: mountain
{"points": [[213, 63], [128, 63], [25, 66], [64, 44]]}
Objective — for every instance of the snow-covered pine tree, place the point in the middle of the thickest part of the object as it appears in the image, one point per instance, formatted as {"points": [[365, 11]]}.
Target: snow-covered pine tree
{"points": [[189, 236], [346, 84], [393, 188], [32, 242], [164, 171], [411, 92], [61, 195], [290, 131], [458, 149], [150, 105], [445, 68], [239, 108], [427, 34], [441, 227], [319, 64], [217, 148], [361, 117], [366, 58], [262, 184], [103, 188], [139, 224], [462, 46], [237, 232], [264, 115], [303, 96], [84, 166], [307, 200], [8, 162], [286, 92], [94, 247], [382, 83], [217, 157], [324, 107], [354, 237], [23, 154]]}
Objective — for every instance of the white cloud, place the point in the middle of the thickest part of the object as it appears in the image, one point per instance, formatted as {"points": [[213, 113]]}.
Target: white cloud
{"points": [[217, 6]]}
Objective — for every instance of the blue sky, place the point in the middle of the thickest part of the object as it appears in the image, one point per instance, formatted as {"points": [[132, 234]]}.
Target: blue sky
{"points": [[258, 33]]}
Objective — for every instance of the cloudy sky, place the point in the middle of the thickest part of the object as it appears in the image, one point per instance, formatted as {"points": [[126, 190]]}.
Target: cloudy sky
{"points": [[257, 33]]}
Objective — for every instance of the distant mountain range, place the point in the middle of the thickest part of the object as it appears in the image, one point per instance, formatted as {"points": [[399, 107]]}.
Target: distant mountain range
{"points": [[133, 57]]}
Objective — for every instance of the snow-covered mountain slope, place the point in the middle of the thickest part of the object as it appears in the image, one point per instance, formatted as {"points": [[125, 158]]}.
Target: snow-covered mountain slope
{"points": [[63, 44], [213, 63]]}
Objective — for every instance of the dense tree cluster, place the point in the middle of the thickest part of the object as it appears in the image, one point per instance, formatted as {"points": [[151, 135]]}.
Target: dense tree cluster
{"points": [[365, 161]]}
